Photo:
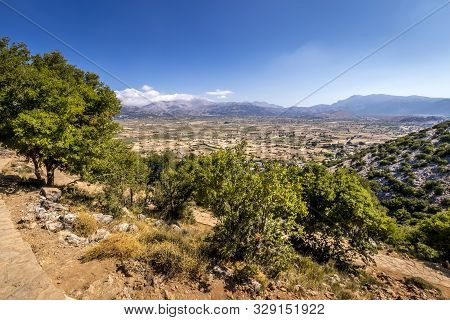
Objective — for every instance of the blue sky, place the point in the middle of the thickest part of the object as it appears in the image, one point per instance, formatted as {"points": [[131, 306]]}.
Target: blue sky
{"points": [[254, 50]]}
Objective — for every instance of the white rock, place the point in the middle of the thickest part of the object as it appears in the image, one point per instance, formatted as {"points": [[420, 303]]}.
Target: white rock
{"points": [[75, 240], [103, 218], [28, 225], [68, 218], [256, 285], [175, 227], [123, 227], [54, 226], [99, 235], [25, 219], [52, 194]]}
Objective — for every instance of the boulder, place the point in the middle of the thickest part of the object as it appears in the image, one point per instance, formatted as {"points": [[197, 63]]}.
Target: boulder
{"points": [[103, 218], [99, 235], [48, 216], [52, 194], [141, 216], [255, 285], [125, 227], [75, 240], [50, 205], [68, 220], [54, 226]]}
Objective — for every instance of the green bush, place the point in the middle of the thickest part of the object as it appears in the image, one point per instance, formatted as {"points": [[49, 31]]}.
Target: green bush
{"points": [[434, 232], [343, 215], [256, 209], [172, 193]]}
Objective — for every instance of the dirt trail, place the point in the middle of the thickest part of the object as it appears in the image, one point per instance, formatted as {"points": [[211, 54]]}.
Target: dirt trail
{"points": [[399, 267], [21, 276]]}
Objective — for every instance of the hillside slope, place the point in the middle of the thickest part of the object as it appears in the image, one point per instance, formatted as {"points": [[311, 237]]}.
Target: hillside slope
{"points": [[410, 174]]}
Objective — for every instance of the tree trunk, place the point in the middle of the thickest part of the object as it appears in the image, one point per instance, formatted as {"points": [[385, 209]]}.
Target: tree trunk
{"points": [[37, 168], [131, 196], [50, 175]]}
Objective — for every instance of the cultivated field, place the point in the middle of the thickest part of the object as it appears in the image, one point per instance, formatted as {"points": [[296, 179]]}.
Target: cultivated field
{"points": [[267, 138]]}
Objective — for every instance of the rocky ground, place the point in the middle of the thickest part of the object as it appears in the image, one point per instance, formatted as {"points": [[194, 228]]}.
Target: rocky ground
{"points": [[46, 222]]}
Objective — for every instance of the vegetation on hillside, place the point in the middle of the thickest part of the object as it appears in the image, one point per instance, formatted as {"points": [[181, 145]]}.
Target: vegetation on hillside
{"points": [[411, 175]]}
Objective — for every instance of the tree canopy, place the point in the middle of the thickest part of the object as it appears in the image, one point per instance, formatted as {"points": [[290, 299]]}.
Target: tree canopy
{"points": [[52, 112]]}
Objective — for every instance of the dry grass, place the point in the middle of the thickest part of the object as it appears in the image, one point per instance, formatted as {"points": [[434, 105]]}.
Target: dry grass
{"points": [[85, 224], [122, 246], [305, 273], [173, 252]]}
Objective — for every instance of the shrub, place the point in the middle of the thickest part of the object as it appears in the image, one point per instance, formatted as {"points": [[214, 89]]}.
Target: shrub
{"points": [[120, 245], [85, 224], [435, 233], [256, 209], [172, 193], [183, 248], [158, 162], [343, 216], [306, 273], [168, 259]]}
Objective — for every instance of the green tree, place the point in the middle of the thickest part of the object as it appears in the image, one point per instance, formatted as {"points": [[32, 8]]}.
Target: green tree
{"points": [[434, 232], [52, 112], [256, 208], [122, 172], [173, 192], [344, 216]]}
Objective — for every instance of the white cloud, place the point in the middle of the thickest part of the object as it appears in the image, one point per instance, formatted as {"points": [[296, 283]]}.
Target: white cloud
{"points": [[219, 94], [138, 98]]}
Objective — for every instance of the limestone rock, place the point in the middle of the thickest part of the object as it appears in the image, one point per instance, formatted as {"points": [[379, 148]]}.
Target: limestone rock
{"points": [[125, 227], [75, 240], [54, 226], [103, 218], [99, 235], [52, 194]]}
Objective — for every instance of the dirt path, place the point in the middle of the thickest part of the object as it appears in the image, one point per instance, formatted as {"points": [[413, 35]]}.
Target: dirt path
{"points": [[399, 267], [21, 276]]}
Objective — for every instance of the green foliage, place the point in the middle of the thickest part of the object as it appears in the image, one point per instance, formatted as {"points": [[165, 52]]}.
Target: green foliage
{"points": [[256, 208], [434, 232], [158, 162], [52, 112], [343, 218], [122, 172], [173, 191]]}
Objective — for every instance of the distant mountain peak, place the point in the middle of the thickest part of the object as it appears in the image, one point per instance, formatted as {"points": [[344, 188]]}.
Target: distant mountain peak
{"points": [[373, 105]]}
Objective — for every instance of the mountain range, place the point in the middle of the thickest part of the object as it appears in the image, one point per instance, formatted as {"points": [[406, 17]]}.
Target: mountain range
{"points": [[357, 106]]}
